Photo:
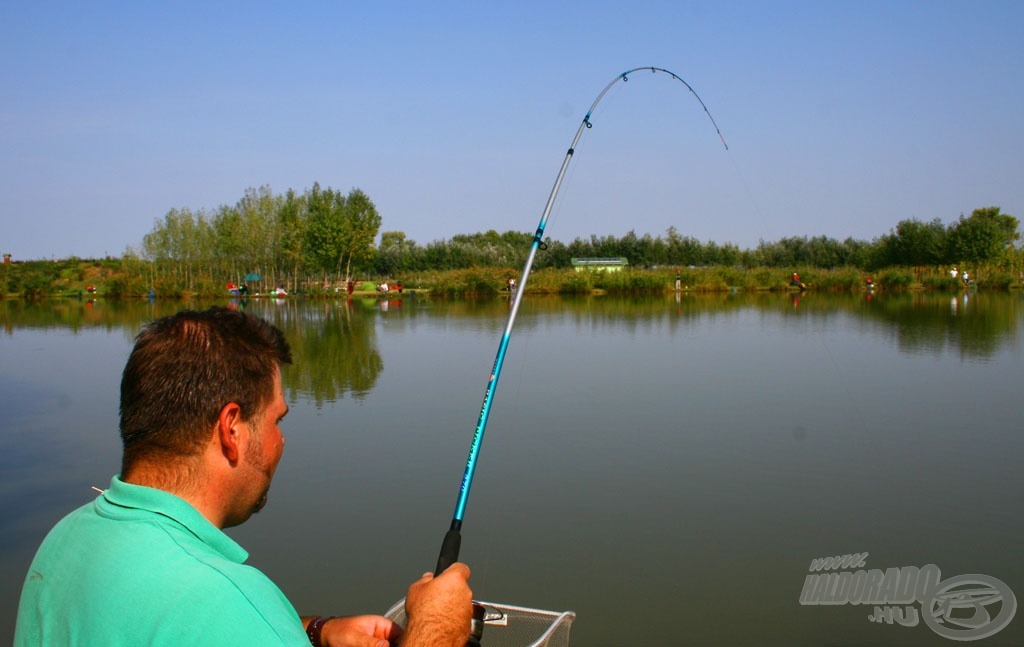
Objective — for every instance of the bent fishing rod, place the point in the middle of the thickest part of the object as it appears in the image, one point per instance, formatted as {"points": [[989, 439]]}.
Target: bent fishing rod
{"points": [[453, 538]]}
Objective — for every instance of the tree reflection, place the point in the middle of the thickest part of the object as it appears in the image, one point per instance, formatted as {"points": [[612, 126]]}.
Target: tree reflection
{"points": [[334, 349], [974, 325], [76, 314], [333, 342]]}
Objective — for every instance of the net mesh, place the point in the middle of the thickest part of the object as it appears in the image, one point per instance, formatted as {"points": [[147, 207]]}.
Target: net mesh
{"points": [[506, 625]]}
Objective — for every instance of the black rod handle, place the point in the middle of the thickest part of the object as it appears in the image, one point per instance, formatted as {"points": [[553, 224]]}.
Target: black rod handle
{"points": [[449, 550]]}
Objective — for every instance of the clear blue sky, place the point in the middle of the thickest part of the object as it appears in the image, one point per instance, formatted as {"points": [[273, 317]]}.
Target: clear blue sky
{"points": [[842, 118]]}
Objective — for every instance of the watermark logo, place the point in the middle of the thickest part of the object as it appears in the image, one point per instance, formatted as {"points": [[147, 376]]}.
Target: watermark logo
{"points": [[964, 607]]}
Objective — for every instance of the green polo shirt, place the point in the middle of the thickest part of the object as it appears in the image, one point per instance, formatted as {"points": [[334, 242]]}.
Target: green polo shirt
{"points": [[140, 566]]}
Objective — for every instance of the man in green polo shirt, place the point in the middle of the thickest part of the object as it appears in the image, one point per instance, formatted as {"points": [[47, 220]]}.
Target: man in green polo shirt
{"points": [[147, 562]]}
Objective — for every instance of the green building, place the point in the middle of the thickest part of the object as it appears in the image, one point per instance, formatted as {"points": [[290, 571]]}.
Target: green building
{"points": [[613, 264]]}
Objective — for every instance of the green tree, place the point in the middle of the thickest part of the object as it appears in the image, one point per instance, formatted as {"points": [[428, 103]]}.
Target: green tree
{"points": [[258, 209], [683, 250], [361, 224], [856, 252], [393, 254], [291, 234], [987, 235], [230, 241], [177, 244], [915, 244], [556, 254], [340, 230], [325, 229]]}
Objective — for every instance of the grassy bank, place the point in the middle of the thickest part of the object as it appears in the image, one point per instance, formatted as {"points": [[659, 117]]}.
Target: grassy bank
{"points": [[115, 278], [711, 279]]}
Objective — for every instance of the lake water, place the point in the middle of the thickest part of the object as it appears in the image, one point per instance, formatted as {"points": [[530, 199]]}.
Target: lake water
{"points": [[668, 467]]}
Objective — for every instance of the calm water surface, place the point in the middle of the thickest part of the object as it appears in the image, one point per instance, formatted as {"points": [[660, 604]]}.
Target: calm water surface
{"points": [[667, 468]]}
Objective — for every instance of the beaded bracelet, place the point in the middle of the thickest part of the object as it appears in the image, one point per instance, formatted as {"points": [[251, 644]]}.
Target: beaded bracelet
{"points": [[314, 629]]}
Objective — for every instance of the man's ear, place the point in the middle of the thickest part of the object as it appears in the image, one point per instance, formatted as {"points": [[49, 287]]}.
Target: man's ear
{"points": [[228, 433]]}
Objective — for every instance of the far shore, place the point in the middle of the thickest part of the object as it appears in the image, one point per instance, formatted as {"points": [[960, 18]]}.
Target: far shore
{"points": [[112, 279]]}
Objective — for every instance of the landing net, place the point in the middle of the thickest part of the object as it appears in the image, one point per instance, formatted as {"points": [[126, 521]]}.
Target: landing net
{"points": [[506, 625]]}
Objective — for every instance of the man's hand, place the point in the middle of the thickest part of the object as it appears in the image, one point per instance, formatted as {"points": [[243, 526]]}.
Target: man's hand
{"points": [[359, 631], [439, 609]]}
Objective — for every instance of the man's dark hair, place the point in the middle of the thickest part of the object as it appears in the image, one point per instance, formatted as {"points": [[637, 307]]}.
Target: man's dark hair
{"points": [[182, 371]]}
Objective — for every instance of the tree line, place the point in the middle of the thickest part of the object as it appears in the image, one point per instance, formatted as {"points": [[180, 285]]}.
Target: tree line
{"points": [[324, 235], [987, 236], [285, 239]]}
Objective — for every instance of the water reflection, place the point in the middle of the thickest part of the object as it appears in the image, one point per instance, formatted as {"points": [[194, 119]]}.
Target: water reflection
{"points": [[334, 340], [975, 326], [334, 350], [656, 462]]}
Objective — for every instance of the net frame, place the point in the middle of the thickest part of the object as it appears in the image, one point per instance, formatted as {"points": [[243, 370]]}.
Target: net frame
{"points": [[508, 625]]}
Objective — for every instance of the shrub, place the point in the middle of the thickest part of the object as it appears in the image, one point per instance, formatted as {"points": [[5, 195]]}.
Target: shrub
{"points": [[844, 279], [998, 280], [574, 282], [471, 282], [945, 283], [629, 281], [897, 279]]}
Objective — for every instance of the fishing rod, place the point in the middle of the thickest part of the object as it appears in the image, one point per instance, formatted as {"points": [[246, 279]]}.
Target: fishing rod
{"points": [[453, 538]]}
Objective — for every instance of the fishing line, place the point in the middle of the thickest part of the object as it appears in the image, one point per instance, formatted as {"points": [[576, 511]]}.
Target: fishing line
{"points": [[762, 221], [453, 538]]}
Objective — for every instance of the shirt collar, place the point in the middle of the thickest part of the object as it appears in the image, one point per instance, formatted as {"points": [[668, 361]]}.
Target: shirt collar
{"points": [[149, 500]]}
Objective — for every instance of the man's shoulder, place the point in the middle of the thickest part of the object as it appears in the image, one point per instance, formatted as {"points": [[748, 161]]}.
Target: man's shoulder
{"points": [[141, 567]]}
